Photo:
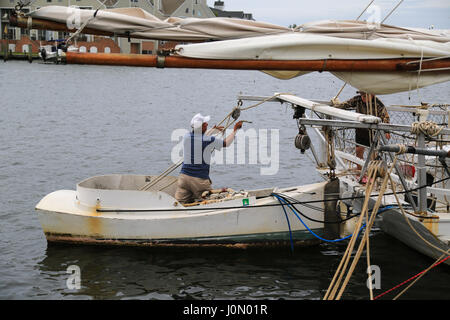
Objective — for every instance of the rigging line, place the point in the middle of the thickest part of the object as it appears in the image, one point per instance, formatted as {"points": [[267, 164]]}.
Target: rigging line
{"points": [[209, 132], [371, 219], [263, 205], [419, 275], [418, 74], [392, 11], [363, 13], [366, 235], [176, 165], [429, 59], [337, 278], [440, 260]]}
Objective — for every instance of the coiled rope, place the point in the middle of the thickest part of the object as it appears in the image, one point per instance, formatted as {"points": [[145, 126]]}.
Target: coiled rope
{"points": [[428, 128]]}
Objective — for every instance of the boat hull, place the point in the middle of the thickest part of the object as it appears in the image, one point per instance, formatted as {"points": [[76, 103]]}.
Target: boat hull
{"points": [[394, 223], [263, 223]]}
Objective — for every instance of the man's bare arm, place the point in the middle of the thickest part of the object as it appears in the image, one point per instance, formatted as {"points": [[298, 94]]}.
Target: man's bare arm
{"points": [[228, 140]]}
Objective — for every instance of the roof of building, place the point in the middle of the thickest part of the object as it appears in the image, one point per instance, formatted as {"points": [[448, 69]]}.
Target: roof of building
{"points": [[169, 6], [231, 14], [110, 3]]}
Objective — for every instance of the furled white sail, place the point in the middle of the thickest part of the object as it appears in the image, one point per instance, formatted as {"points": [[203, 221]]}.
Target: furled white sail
{"points": [[313, 46], [138, 23], [251, 40]]}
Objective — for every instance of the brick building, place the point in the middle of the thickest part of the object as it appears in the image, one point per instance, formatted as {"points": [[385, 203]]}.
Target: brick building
{"points": [[18, 38]]}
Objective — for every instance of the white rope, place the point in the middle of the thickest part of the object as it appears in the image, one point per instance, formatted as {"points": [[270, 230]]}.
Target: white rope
{"points": [[428, 128], [418, 74]]}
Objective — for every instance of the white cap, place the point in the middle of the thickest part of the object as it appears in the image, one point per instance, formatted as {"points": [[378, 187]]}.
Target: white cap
{"points": [[198, 120]]}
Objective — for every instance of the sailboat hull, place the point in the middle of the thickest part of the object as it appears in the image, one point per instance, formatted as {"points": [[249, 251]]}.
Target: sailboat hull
{"points": [[65, 219], [394, 224]]}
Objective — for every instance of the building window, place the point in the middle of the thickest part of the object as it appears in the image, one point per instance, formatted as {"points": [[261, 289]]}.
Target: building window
{"points": [[93, 49], [82, 49], [187, 10], [107, 50]]}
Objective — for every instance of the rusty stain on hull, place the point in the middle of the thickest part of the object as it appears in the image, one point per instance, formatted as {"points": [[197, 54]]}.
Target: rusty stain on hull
{"points": [[94, 222], [431, 223]]}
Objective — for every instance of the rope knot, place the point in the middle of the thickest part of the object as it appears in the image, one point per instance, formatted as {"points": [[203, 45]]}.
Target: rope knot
{"points": [[402, 149], [428, 128]]}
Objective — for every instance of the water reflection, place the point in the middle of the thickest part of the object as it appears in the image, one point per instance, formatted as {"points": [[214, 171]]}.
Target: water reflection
{"points": [[200, 273]]}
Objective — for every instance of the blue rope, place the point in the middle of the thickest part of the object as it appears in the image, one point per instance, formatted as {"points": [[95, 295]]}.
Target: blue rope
{"points": [[289, 226], [281, 200]]}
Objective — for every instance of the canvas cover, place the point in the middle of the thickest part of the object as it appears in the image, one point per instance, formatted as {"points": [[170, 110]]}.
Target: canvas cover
{"points": [[244, 39], [141, 24]]}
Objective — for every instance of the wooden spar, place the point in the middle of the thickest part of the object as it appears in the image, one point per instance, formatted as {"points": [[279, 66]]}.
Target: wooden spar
{"points": [[375, 65]]}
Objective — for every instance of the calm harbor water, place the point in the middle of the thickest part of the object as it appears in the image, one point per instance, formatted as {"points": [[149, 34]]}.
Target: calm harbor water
{"points": [[61, 124]]}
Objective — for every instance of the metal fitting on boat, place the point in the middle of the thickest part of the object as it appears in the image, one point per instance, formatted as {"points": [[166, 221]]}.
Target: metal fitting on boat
{"points": [[160, 61], [302, 142], [236, 113]]}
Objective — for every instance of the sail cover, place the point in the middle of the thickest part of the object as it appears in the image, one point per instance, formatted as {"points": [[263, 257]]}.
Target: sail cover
{"points": [[252, 40], [138, 23], [310, 46]]}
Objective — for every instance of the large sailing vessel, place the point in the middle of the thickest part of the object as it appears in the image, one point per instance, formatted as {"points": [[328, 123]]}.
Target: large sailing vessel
{"points": [[408, 178]]}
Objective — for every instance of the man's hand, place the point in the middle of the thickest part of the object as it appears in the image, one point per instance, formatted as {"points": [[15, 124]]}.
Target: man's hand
{"points": [[388, 135], [238, 126], [220, 128], [335, 101]]}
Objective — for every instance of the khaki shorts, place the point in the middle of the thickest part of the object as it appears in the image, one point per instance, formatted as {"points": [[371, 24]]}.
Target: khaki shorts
{"points": [[191, 188]]}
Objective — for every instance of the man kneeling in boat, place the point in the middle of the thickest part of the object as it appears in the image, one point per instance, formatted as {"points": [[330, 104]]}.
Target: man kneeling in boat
{"points": [[364, 103], [197, 149]]}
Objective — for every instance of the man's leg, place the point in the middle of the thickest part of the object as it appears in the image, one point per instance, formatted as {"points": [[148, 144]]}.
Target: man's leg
{"points": [[199, 186], [183, 193]]}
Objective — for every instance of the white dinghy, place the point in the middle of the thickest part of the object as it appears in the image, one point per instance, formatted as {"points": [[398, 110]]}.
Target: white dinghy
{"points": [[112, 209]]}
